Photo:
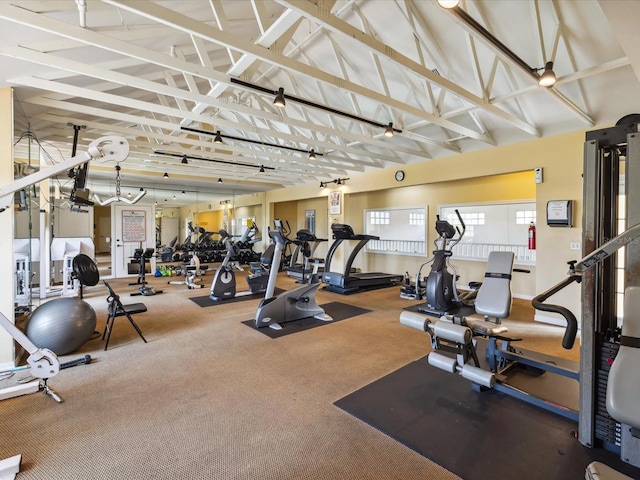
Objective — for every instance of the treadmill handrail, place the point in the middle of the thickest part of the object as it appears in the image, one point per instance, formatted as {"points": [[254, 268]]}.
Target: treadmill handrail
{"points": [[363, 237], [347, 267]]}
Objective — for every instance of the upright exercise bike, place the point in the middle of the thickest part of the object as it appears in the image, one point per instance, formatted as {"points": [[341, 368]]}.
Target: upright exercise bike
{"points": [[224, 284], [291, 305]]}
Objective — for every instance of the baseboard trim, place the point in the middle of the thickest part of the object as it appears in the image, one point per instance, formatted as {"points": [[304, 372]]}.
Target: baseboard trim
{"points": [[9, 467], [18, 390], [550, 320], [6, 366]]}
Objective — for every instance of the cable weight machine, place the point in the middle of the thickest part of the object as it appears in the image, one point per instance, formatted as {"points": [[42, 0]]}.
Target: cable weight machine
{"points": [[611, 204]]}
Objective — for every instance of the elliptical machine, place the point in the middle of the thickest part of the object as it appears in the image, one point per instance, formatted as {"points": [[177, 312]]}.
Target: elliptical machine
{"points": [[294, 304], [439, 288], [224, 284]]}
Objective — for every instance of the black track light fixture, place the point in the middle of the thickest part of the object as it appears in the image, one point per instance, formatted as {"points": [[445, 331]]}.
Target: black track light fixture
{"points": [[546, 79], [218, 138], [261, 168], [242, 139], [184, 160], [213, 160], [219, 180], [388, 132], [312, 154], [337, 181], [166, 175], [548, 76], [310, 103], [279, 101]]}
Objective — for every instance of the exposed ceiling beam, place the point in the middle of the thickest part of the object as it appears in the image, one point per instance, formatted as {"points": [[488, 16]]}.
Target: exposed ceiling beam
{"points": [[188, 25], [471, 26], [346, 31]]}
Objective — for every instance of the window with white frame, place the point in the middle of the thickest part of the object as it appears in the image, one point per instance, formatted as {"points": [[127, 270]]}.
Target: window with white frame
{"points": [[493, 227], [401, 231], [525, 217], [379, 217]]}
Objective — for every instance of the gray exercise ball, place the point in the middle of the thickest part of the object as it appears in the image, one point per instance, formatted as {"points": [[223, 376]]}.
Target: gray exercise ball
{"points": [[62, 325]]}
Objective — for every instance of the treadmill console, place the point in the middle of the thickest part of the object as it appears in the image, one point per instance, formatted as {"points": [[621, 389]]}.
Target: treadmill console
{"points": [[305, 236], [342, 231]]}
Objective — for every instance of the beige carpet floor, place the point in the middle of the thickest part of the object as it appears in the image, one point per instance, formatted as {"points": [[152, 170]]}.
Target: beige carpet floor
{"points": [[210, 398]]}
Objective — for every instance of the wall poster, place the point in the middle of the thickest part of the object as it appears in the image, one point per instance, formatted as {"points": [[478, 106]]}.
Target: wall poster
{"points": [[334, 203], [134, 227], [310, 220]]}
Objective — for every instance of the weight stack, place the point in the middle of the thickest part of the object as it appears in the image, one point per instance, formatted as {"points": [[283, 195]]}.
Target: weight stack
{"points": [[607, 429]]}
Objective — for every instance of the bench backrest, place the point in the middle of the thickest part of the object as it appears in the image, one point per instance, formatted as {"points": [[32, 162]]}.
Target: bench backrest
{"points": [[624, 377], [494, 296]]}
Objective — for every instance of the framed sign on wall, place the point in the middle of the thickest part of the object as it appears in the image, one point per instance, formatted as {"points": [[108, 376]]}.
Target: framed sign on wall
{"points": [[310, 220], [134, 226], [335, 203]]}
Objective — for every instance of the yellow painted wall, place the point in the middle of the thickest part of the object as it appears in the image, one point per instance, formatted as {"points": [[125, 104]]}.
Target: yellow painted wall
{"points": [[496, 188], [211, 221], [288, 213], [560, 157]]}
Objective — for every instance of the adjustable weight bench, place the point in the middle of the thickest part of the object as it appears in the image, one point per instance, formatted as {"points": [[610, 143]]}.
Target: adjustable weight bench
{"points": [[622, 388], [456, 334], [117, 309], [462, 336]]}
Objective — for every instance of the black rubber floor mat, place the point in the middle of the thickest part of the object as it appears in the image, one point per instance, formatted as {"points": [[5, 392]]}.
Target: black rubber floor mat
{"points": [[476, 435], [206, 301], [339, 311]]}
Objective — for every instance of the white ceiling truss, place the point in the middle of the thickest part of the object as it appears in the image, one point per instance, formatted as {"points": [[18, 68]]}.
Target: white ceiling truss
{"points": [[148, 70]]}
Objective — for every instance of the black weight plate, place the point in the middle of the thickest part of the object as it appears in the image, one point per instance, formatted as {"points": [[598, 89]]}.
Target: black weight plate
{"points": [[86, 270]]}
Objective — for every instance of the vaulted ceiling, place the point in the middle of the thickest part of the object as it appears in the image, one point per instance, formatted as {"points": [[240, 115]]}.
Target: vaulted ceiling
{"points": [[167, 75]]}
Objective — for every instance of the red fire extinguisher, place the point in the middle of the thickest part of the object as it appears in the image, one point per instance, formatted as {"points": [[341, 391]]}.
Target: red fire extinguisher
{"points": [[532, 237]]}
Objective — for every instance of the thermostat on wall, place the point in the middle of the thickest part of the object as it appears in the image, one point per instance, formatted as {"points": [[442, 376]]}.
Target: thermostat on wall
{"points": [[560, 213]]}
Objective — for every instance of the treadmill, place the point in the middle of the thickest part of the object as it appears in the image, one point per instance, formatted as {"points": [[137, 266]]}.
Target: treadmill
{"points": [[350, 282], [306, 243]]}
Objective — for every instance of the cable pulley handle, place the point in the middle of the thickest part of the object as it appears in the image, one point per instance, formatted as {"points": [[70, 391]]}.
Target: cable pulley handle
{"points": [[572, 324]]}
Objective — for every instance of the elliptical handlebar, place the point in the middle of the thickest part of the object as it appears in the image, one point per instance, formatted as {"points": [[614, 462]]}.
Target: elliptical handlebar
{"points": [[454, 241], [447, 239], [279, 237]]}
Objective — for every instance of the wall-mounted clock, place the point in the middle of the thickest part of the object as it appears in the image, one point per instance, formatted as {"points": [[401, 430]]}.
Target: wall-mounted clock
{"points": [[399, 175]]}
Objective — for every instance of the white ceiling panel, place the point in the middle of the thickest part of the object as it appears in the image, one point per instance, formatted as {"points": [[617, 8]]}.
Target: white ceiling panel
{"points": [[151, 70]]}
